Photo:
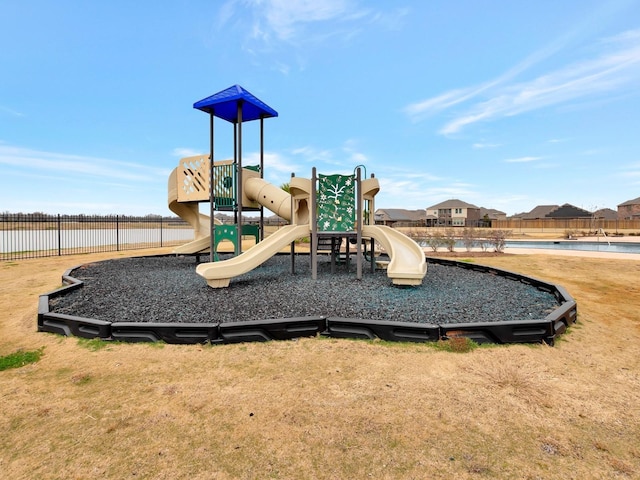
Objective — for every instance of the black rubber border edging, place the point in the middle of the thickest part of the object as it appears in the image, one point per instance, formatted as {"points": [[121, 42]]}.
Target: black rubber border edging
{"points": [[526, 331]]}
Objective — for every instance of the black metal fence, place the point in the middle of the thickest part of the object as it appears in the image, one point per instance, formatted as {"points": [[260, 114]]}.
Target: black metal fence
{"points": [[40, 235]]}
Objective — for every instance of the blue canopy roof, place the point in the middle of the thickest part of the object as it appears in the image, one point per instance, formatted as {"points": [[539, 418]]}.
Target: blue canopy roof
{"points": [[224, 105]]}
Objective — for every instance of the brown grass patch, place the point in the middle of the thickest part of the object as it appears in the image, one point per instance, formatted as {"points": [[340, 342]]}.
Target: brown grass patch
{"points": [[328, 408]]}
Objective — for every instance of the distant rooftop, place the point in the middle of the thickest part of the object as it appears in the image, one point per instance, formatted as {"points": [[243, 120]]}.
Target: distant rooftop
{"points": [[399, 215], [453, 203], [556, 211], [635, 201]]}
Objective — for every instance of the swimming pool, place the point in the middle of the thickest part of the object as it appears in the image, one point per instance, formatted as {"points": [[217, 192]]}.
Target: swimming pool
{"points": [[601, 246]]}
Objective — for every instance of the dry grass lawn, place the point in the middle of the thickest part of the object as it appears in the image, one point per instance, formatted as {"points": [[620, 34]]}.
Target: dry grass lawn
{"points": [[328, 409]]}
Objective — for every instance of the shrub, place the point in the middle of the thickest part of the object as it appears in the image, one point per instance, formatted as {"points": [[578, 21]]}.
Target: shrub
{"points": [[483, 243], [456, 343], [449, 239], [418, 235], [498, 239], [434, 240], [469, 238]]}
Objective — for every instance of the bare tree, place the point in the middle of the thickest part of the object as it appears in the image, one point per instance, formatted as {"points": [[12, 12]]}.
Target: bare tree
{"points": [[435, 240], [449, 239], [498, 239], [469, 238]]}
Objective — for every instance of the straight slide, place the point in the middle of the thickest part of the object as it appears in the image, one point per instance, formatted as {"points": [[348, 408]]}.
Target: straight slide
{"points": [[408, 264], [256, 189], [218, 274]]}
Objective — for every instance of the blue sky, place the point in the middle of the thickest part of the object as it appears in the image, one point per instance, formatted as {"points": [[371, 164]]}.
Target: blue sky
{"points": [[503, 104]]}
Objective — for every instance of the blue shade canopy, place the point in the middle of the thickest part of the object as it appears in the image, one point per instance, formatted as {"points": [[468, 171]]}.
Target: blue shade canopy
{"points": [[224, 105]]}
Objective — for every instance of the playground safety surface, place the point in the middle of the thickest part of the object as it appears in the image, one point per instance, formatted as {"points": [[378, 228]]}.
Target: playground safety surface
{"points": [[162, 298]]}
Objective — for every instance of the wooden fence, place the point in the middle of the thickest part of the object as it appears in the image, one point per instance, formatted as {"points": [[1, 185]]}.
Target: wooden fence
{"points": [[585, 225]]}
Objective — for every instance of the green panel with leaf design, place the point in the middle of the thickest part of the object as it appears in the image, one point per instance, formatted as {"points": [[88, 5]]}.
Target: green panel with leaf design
{"points": [[336, 203]]}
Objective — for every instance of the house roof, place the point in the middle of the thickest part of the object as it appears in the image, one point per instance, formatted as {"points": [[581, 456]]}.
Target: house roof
{"points": [[400, 215], [541, 211], [635, 201], [569, 211], [557, 211], [606, 213], [452, 203], [491, 212]]}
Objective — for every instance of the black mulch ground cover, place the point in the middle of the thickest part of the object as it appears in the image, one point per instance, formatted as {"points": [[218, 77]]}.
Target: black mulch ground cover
{"points": [[167, 289]]}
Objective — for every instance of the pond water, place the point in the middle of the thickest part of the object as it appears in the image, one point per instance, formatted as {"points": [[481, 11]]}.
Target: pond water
{"points": [[601, 246], [35, 240]]}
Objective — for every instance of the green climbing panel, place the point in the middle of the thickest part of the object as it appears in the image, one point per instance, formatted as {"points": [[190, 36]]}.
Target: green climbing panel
{"points": [[336, 203], [224, 178]]}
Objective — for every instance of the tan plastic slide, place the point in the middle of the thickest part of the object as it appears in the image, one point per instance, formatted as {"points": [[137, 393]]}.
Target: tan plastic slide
{"points": [[407, 265], [189, 212], [218, 274], [278, 201]]}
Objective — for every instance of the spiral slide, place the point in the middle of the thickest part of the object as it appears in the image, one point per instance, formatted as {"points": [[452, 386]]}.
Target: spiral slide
{"points": [[189, 212]]}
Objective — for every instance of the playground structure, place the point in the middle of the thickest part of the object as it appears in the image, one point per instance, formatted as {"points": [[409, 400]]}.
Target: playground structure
{"points": [[327, 208], [334, 223]]}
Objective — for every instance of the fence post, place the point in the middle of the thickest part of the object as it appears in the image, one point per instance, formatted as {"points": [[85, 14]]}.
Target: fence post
{"points": [[59, 236], [117, 233], [161, 245]]}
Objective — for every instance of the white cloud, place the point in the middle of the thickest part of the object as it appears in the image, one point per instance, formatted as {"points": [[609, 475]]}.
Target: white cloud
{"points": [[186, 152], [481, 145], [285, 20], [353, 154], [617, 69], [303, 21], [272, 162], [522, 159], [413, 190], [311, 154], [69, 165], [630, 172], [420, 110], [348, 154], [10, 111]]}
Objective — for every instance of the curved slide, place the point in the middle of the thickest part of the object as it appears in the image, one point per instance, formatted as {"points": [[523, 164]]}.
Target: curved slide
{"points": [[218, 274], [189, 212], [408, 264]]}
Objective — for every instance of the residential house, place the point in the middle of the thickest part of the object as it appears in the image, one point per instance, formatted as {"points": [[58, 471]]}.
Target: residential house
{"points": [[565, 211], [605, 214], [629, 210], [488, 214], [541, 211], [392, 216], [455, 213], [569, 211]]}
